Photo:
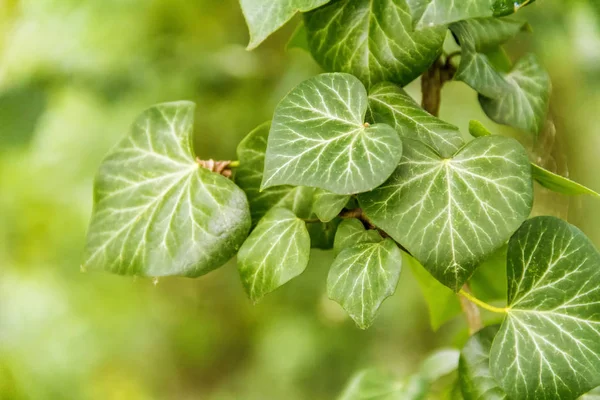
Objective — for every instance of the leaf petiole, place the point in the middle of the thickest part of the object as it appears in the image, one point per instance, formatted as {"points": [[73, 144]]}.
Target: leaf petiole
{"points": [[482, 304]]}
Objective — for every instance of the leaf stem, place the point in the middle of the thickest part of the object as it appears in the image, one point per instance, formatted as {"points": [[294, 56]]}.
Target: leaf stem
{"points": [[486, 306], [234, 164]]}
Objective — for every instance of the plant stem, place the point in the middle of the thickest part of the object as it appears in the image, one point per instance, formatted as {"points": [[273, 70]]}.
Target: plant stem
{"points": [[472, 314], [220, 167], [433, 80], [486, 306]]}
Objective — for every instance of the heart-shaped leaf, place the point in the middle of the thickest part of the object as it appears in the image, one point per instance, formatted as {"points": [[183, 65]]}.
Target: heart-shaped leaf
{"points": [[549, 344], [318, 138], [266, 16], [156, 211], [363, 276], [451, 213], [276, 251], [373, 40], [328, 205], [389, 104], [350, 232]]}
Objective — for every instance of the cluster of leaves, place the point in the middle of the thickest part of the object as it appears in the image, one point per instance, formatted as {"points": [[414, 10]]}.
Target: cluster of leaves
{"points": [[350, 162]]}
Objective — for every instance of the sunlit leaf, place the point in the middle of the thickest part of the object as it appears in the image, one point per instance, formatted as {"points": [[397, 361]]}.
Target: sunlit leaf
{"points": [[328, 205], [451, 213], [350, 232], [156, 211], [549, 343], [363, 276], [477, 129], [558, 183], [276, 251], [391, 105], [372, 384], [266, 16], [319, 138], [372, 39]]}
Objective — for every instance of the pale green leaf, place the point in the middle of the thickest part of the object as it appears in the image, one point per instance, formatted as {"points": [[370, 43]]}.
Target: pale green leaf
{"points": [[427, 13], [328, 205], [477, 129], [350, 232], [558, 183], [276, 251], [549, 344], [373, 40], [389, 104], [363, 276], [319, 138], [451, 213], [372, 384], [266, 16], [442, 362], [156, 211]]}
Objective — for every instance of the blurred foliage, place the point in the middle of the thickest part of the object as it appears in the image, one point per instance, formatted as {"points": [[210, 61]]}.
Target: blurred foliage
{"points": [[74, 74]]}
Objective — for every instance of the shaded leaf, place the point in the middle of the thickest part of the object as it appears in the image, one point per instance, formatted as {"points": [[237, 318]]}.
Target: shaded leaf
{"points": [[299, 39], [350, 232], [328, 205], [372, 384], [322, 234], [391, 105], [549, 343], [373, 40], [156, 211], [318, 138], [362, 277], [558, 183], [266, 16], [276, 251], [451, 213]]}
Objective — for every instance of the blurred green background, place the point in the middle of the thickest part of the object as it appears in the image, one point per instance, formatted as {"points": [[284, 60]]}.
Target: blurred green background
{"points": [[75, 73]]}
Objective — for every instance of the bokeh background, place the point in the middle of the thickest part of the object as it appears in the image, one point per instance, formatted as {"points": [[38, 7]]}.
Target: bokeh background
{"points": [[75, 73]]}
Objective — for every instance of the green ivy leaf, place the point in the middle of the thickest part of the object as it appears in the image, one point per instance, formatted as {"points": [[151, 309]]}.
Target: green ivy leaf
{"points": [[363, 276], [476, 381], [549, 343], [372, 384], [318, 138], [299, 39], [389, 104], [322, 234], [441, 363], [328, 205], [350, 232], [451, 213], [558, 183], [156, 211], [477, 129], [427, 13], [373, 40], [266, 16], [276, 251], [518, 98]]}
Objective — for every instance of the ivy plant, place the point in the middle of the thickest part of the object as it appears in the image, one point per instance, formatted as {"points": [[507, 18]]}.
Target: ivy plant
{"points": [[351, 163]]}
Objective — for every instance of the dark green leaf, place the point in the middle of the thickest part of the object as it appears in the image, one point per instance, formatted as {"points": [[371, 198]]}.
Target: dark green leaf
{"points": [[299, 39], [373, 40], [322, 234], [276, 251], [389, 104], [156, 211], [318, 138], [350, 232], [549, 343], [363, 276], [328, 205], [558, 183], [451, 213]]}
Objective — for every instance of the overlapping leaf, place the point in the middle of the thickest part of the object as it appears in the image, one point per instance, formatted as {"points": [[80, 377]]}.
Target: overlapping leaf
{"points": [[372, 39], [318, 138], [156, 211], [452, 213], [549, 344], [276, 251], [389, 104], [266, 16], [328, 205], [350, 232], [518, 98], [363, 276]]}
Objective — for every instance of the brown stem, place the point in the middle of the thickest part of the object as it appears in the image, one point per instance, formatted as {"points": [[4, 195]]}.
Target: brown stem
{"points": [[220, 167], [471, 311], [433, 80]]}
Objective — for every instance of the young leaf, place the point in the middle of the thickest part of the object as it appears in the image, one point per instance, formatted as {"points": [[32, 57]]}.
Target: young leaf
{"points": [[350, 232], [451, 213], [549, 343], [389, 104], [363, 276], [440, 363], [156, 211], [477, 129], [429, 13], [266, 16], [328, 205], [558, 183], [276, 251], [476, 381], [373, 40], [318, 138], [372, 384]]}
